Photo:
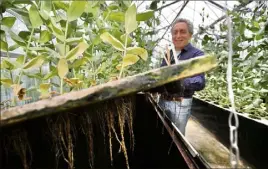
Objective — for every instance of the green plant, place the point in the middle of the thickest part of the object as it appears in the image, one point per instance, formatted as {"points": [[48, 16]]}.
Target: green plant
{"points": [[250, 62], [70, 39]]}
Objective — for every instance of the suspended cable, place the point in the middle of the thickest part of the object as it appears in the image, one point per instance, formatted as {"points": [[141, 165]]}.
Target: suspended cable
{"points": [[234, 150], [140, 4], [194, 11], [211, 9], [221, 18], [162, 7], [217, 5]]}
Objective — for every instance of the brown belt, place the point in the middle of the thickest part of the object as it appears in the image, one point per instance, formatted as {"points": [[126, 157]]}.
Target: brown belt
{"points": [[172, 98]]}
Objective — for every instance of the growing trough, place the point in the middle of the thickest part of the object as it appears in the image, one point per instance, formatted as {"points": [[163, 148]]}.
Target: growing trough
{"points": [[106, 126], [115, 125]]}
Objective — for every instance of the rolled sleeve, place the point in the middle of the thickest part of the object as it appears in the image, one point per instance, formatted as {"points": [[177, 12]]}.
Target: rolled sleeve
{"points": [[195, 83]]}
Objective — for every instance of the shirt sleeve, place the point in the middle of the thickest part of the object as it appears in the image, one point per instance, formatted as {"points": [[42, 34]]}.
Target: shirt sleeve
{"points": [[197, 82]]}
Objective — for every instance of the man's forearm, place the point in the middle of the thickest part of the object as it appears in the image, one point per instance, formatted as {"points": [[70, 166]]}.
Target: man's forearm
{"points": [[195, 83]]}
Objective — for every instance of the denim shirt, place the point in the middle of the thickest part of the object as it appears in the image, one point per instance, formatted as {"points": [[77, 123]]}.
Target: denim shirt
{"points": [[194, 83]]}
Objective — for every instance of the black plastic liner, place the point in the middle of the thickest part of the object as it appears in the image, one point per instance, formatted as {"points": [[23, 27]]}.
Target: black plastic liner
{"points": [[252, 135], [152, 144]]}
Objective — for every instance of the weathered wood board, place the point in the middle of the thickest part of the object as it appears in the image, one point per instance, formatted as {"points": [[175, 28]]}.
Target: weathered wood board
{"points": [[113, 89]]}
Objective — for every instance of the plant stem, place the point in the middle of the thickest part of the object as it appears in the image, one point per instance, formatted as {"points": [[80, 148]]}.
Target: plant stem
{"points": [[93, 70], [66, 30], [61, 86], [74, 73], [92, 64], [125, 51], [25, 58], [11, 77]]}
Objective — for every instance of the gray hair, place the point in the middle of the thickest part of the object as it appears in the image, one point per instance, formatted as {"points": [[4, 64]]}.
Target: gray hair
{"points": [[188, 22]]}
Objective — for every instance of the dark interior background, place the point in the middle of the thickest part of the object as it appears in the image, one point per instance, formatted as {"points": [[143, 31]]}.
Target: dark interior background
{"points": [[151, 145]]}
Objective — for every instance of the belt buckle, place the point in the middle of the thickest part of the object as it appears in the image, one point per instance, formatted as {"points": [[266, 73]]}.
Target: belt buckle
{"points": [[179, 99]]}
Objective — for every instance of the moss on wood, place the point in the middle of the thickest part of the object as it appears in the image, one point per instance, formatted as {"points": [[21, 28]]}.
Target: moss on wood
{"points": [[113, 89]]}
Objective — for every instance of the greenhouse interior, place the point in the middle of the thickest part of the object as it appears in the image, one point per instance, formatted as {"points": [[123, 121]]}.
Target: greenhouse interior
{"points": [[134, 84]]}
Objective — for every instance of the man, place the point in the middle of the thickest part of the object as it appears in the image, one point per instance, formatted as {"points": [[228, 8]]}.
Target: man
{"points": [[177, 100]]}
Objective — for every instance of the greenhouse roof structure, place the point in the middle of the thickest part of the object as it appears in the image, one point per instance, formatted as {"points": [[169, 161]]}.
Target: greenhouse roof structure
{"points": [[168, 11]]}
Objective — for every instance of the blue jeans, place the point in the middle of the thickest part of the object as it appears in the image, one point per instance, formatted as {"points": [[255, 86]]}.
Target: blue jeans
{"points": [[178, 112]]}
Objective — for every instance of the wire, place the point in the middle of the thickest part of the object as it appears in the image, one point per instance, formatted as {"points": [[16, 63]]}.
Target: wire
{"points": [[234, 150]]}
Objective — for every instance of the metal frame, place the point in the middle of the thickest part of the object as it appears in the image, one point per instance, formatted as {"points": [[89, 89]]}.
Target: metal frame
{"points": [[167, 5], [217, 5], [221, 18], [212, 24], [183, 6]]}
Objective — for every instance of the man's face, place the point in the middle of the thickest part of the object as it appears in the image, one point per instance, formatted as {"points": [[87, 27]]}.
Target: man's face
{"points": [[180, 35]]}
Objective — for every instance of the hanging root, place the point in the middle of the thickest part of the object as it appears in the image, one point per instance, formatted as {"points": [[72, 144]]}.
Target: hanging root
{"points": [[121, 121], [110, 124], [101, 111], [21, 146], [87, 128], [62, 132], [70, 160], [54, 131], [129, 109]]}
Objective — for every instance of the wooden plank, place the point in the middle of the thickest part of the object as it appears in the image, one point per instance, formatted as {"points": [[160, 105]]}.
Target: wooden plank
{"points": [[113, 89]]}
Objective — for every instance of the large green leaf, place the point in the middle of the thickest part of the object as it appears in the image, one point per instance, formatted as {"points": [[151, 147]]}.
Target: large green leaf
{"points": [[130, 19], [35, 17], [62, 67], [92, 9], [46, 5], [113, 6], [8, 21], [20, 59], [44, 90], [52, 73], [130, 59], [45, 8], [21, 14], [61, 5], [44, 87], [45, 36], [52, 53], [56, 30], [116, 16], [73, 40], [96, 40], [9, 64], [77, 51], [79, 62], [75, 10], [35, 62], [256, 24], [108, 38], [25, 35], [144, 16], [6, 82], [60, 49], [4, 46], [138, 51], [2, 34], [127, 3], [13, 47], [44, 14], [16, 38]]}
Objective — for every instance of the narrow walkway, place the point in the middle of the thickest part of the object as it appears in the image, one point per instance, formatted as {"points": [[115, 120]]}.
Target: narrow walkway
{"points": [[215, 153]]}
